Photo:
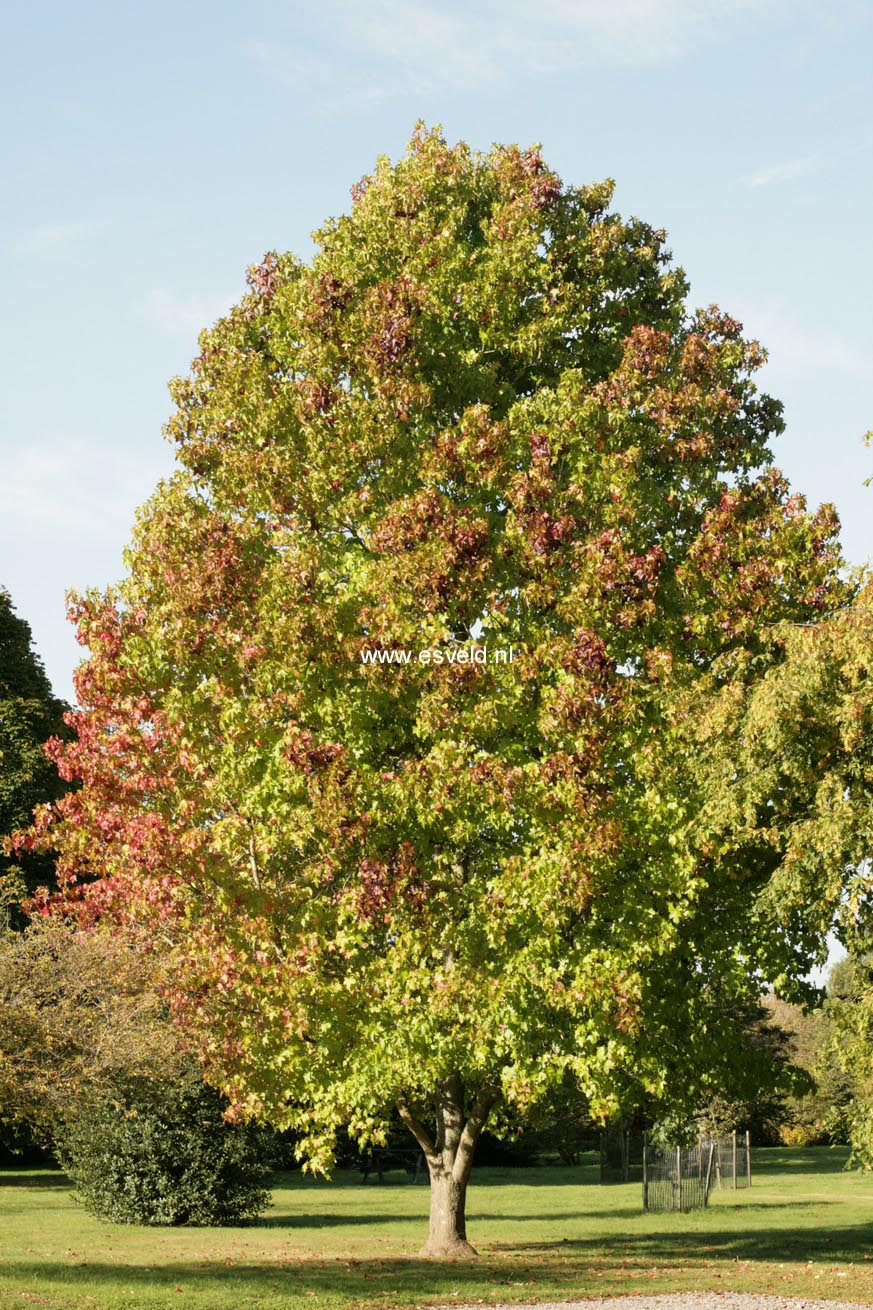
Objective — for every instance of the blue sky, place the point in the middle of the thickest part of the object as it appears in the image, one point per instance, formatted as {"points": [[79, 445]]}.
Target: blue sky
{"points": [[151, 152]]}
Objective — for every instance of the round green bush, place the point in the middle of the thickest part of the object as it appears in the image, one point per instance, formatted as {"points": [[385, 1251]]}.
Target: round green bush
{"points": [[157, 1153]]}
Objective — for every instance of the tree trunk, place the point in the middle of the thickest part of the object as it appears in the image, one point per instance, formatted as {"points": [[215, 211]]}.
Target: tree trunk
{"points": [[448, 1225], [449, 1154]]}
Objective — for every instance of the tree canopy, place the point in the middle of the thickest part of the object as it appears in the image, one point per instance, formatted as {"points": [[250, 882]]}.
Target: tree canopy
{"points": [[482, 417]]}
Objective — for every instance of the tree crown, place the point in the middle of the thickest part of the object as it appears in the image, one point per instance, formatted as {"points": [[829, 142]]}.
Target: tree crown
{"points": [[480, 417]]}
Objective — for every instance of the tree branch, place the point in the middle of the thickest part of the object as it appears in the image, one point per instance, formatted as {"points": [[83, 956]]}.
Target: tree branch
{"points": [[253, 858], [472, 1129], [419, 1132]]}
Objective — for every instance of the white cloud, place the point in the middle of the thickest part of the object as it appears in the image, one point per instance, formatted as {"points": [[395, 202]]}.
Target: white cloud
{"points": [[642, 31], [55, 238], [311, 76], [180, 315], [786, 171], [390, 47], [792, 344], [73, 492]]}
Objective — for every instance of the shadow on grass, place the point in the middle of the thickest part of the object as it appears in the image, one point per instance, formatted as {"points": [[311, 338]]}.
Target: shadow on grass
{"points": [[30, 1178], [339, 1220], [567, 1265], [753, 1244], [327, 1220], [630, 1212], [487, 1176]]}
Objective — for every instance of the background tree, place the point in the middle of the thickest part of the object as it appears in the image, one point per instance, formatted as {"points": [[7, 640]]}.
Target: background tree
{"points": [[806, 1112], [734, 1067], [560, 1123], [817, 1115], [845, 1066], [29, 715], [81, 1014], [783, 752], [482, 413], [758, 1077]]}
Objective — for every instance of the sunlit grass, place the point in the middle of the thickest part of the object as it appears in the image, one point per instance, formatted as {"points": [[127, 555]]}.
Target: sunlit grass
{"points": [[806, 1228]]}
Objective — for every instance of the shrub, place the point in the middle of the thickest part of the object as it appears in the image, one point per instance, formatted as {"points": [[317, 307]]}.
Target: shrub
{"points": [[799, 1133], [163, 1154]]}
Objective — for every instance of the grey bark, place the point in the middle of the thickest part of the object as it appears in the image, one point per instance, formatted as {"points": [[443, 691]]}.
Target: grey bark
{"points": [[449, 1154]]}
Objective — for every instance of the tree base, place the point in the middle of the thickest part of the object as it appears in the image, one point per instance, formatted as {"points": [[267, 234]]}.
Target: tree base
{"points": [[456, 1249]]}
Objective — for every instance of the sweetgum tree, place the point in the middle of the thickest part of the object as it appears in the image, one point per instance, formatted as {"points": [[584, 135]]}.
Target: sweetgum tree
{"points": [[482, 413]]}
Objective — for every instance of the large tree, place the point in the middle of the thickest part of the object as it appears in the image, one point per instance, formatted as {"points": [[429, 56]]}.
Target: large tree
{"points": [[480, 417]]}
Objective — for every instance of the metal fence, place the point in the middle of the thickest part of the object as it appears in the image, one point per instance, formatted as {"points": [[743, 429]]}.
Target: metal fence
{"points": [[678, 1177], [681, 1177], [733, 1161]]}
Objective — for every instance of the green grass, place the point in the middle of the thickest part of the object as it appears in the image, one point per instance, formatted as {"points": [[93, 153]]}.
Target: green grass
{"points": [[805, 1228]]}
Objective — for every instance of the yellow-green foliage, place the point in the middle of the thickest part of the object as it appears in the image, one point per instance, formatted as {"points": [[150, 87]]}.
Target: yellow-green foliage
{"points": [[483, 413]]}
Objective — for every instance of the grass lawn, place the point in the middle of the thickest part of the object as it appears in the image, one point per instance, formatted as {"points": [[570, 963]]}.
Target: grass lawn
{"points": [[805, 1228]]}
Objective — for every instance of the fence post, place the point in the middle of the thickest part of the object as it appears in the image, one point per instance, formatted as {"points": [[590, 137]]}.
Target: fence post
{"points": [[645, 1171], [679, 1176], [708, 1174], [734, 1150], [748, 1159]]}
